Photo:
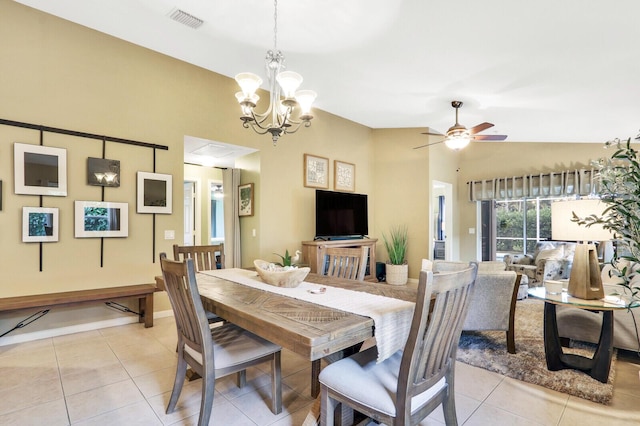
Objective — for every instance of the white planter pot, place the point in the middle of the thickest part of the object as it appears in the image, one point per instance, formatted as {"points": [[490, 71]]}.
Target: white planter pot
{"points": [[397, 274]]}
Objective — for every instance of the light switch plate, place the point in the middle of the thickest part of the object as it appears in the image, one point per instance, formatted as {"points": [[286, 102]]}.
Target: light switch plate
{"points": [[169, 235]]}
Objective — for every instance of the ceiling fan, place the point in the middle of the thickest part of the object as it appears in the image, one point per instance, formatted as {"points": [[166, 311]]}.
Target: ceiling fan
{"points": [[458, 136]]}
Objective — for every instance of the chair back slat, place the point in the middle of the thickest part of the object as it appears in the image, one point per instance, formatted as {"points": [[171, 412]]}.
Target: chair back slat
{"points": [[205, 258], [430, 352], [190, 316], [344, 262]]}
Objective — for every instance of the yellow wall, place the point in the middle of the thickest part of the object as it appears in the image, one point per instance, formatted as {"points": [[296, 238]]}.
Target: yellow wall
{"points": [[59, 74]]}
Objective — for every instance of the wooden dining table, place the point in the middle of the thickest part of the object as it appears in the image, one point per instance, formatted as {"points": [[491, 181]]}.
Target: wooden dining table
{"points": [[307, 329]]}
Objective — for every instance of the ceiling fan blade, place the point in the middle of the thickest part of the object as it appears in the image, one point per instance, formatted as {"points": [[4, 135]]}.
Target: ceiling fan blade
{"points": [[480, 127], [489, 137], [428, 144], [432, 133]]}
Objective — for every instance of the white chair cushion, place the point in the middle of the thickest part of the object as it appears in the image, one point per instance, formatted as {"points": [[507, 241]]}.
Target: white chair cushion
{"points": [[372, 384], [234, 345]]}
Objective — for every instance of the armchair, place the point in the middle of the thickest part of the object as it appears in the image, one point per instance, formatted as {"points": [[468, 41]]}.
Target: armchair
{"points": [[551, 260], [493, 304]]}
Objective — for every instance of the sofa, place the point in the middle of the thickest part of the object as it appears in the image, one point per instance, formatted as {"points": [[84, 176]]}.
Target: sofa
{"points": [[551, 260]]}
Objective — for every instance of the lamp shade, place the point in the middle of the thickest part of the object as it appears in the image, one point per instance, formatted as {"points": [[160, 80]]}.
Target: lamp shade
{"points": [[563, 229]]}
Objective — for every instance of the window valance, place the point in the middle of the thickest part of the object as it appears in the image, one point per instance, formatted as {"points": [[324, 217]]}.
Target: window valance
{"points": [[555, 184]]}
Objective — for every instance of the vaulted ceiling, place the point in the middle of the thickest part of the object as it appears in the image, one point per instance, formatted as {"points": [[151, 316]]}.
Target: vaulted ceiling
{"points": [[541, 71]]}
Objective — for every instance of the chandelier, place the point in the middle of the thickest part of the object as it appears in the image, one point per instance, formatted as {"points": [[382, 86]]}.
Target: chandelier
{"points": [[284, 95]]}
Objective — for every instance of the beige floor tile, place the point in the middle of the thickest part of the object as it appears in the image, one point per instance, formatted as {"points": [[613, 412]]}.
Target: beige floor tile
{"points": [[623, 411], [84, 336], [529, 401], [101, 400], [80, 380], [89, 349], [465, 406], [188, 404], [53, 413], [156, 382], [145, 348], [72, 365], [494, 416], [299, 381], [223, 413], [256, 379], [26, 347], [257, 405], [627, 378], [476, 383], [144, 365], [30, 394], [14, 374], [294, 419], [139, 413]]}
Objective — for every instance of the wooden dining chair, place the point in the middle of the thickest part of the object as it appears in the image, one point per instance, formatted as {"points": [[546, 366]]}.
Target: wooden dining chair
{"points": [[344, 262], [211, 351], [404, 388], [205, 258]]}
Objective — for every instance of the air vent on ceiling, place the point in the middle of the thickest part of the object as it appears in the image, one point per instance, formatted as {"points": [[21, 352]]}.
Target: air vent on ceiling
{"points": [[185, 18]]}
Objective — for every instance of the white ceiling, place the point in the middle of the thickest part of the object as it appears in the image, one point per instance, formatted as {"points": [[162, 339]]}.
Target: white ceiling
{"points": [[541, 71]]}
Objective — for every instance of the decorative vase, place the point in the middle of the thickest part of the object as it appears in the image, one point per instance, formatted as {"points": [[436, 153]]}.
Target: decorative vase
{"points": [[397, 274]]}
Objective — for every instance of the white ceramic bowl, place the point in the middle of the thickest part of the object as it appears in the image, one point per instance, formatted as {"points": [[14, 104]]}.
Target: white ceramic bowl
{"points": [[280, 277]]}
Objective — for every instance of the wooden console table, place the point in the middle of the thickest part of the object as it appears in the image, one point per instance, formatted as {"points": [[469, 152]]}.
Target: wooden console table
{"points": [[312, 256]]}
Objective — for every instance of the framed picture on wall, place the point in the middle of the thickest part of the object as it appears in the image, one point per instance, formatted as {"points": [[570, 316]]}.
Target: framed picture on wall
{"points": [[245, 200], [98, 219], [344, 176], [39, 224], [316, 171], [103, 172], [40, 170], [154, 193]]}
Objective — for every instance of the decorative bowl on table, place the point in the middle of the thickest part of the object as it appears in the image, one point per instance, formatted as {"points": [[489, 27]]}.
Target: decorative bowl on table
{"points": [[279, 276]]}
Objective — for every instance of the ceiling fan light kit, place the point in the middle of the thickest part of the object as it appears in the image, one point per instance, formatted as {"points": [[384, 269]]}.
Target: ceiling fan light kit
{"points": [[458, 136], [284, 96]]}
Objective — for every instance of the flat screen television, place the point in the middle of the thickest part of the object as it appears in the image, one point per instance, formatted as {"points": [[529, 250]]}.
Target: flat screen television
{"points": [[341, 215]]}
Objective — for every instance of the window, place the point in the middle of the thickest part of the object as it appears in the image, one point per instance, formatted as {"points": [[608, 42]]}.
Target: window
{"points": [[521, 224]]}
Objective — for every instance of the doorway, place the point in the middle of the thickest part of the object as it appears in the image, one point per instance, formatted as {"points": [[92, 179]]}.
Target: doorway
{"points": [[442, 220], [192, 215]]}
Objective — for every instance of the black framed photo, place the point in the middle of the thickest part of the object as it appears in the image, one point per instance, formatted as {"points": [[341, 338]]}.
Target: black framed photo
{"points": [[98, 219], [39, 224], [103, 172], [154, 193], [40, 170]]}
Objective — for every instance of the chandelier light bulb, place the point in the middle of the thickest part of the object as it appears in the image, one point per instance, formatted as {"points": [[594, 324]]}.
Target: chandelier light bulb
{"points": [[249, 83], [289, 82], [457, 141], [305, 99]]}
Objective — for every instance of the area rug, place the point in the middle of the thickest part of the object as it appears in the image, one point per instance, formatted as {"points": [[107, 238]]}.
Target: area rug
{"points": [[488, 350]]}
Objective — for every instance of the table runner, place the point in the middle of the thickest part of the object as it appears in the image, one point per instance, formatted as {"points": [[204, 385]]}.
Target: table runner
{"points": [[391, 317]]}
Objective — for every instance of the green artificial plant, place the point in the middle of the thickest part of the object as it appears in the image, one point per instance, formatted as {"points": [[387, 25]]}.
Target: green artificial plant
{"points": [[396, 244]]}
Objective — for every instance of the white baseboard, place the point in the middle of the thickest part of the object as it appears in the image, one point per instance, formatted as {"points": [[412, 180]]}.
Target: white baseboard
{"points": [[78, 328]]}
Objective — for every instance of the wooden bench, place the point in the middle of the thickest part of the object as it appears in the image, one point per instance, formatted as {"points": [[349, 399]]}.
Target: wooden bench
{"points": [[144, 293]]}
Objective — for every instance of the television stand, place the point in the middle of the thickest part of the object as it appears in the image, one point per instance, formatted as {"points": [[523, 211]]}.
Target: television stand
{"points": [[312, 252]]}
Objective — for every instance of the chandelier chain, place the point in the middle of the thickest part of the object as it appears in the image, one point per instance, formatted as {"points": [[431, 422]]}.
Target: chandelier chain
{"points": [[275, 26]]}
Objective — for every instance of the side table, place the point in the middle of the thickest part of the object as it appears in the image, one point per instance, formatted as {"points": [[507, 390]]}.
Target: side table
{"points": [[598, 366]]}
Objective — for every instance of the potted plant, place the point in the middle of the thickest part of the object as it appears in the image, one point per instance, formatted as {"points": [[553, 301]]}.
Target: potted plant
{"points": [[397, 269], [619, 179]]}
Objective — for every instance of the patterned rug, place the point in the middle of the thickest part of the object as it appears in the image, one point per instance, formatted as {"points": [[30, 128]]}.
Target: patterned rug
{"points": [[488, 350]]}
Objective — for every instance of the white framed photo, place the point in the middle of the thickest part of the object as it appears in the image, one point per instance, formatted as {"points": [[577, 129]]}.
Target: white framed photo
{"points": [[154, 193], [98, 219], [40, 170], [40, 224]]}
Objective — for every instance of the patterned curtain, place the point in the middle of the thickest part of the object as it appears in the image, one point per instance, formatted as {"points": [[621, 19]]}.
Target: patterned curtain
{"points": [[555, 184]]}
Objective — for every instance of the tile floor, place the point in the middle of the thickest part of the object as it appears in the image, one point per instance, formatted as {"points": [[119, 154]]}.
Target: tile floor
{"points": [[123, 376]]}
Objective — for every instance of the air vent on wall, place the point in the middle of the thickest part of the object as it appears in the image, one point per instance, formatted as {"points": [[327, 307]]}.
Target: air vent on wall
{"points": [[185, 18]]}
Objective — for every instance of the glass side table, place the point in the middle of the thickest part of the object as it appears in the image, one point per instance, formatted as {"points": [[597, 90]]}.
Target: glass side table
{"points": [[598, 366]]}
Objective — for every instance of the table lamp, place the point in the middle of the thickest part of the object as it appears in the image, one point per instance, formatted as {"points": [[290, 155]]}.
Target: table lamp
{"points": [[585, 281]]}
